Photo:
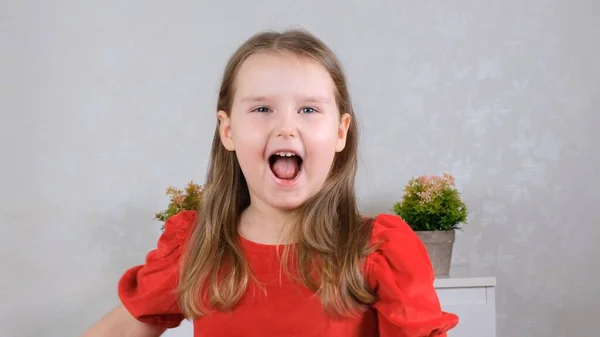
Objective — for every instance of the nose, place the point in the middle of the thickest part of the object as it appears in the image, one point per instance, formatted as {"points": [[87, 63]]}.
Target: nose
{"points": [[286, 127], [286, 132]]}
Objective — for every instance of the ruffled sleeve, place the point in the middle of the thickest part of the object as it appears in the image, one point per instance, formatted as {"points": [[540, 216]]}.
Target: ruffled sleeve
{"points": [[148, 291], [401, 274]]}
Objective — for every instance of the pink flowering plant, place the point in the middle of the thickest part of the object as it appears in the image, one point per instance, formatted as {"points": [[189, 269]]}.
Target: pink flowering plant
{"points": [[186, 199], [432, 203]]}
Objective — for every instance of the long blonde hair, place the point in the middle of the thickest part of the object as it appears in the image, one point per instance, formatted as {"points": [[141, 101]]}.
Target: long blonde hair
{"points": [[331, 239]]}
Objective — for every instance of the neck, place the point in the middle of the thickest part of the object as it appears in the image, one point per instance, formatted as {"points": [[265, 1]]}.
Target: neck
{"points": [[265, 225]]}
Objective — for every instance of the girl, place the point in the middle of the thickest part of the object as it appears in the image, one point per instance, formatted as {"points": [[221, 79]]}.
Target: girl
{"points": [[278, 247]]}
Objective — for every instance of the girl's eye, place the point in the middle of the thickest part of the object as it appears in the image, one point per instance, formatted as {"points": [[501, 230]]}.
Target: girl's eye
{"points": [[261, 109], [308, 110]]}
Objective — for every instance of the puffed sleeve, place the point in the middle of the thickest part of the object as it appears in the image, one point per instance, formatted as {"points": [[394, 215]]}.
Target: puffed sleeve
{"points": [[400, 272], [148, 291]]}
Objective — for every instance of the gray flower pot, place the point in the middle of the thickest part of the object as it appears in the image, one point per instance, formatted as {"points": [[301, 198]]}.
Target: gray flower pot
{"points": [[439, 246]]}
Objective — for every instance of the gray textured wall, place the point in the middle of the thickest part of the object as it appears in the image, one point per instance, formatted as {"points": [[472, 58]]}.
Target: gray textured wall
{"points": [[104, 104]]}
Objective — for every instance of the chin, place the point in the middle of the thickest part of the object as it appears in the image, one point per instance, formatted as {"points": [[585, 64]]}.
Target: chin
{"points": [[286, 203]]}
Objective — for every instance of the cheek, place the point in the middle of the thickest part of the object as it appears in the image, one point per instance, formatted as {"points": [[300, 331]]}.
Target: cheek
{"points": [[321, 143], [249, 143], [245, 130], [324, 134]]}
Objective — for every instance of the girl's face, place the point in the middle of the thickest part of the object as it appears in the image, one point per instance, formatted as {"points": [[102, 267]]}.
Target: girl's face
{"points": [[285, 128]]}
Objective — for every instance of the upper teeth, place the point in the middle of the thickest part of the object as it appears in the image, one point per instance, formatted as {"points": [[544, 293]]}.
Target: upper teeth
{"points": [[285, 154]]}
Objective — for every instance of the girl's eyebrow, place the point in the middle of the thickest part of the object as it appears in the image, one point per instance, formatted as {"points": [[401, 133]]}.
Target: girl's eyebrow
{"points": [[309, 99], [312, 99], [253, 99]]}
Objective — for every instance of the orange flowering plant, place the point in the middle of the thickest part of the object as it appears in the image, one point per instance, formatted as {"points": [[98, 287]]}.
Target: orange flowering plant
{"points": [[186, 199], [432, 203]]}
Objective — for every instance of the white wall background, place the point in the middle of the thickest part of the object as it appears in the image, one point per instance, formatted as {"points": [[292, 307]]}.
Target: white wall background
{"points": [[105, 103]]}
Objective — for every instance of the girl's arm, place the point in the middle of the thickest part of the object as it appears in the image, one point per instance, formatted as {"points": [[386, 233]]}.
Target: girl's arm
{"points": [[401, 273], [120, 323]]}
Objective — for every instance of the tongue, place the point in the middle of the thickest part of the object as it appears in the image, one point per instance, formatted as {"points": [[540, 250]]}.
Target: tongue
{"points": [[285, 167]]}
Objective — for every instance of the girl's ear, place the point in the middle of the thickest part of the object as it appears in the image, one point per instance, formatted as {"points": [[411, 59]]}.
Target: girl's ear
{"points": [[343, 132], [225, 130]]}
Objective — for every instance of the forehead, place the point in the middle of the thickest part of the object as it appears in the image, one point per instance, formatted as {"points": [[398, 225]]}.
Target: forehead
{"points": [[283, 75]]}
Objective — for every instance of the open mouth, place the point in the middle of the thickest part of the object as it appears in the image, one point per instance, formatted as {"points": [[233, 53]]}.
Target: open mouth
{"points": [[285, 165]]}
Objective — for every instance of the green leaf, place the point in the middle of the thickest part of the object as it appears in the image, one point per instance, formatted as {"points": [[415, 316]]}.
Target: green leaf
{"points": [[431, 203], [189, 198]]}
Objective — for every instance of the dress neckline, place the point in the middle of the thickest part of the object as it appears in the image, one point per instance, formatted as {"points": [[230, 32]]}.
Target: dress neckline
{"points": [[245, 242]]}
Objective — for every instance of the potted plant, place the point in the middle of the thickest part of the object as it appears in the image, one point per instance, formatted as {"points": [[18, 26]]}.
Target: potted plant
{"points": [[432, 207], [179, 200]]}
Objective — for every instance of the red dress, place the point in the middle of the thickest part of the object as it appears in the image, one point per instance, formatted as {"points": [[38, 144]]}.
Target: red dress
{"points": [[399, 270]]}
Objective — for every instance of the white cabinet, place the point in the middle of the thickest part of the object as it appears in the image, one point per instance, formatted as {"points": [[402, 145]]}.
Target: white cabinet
{"points": [[473, 300]]}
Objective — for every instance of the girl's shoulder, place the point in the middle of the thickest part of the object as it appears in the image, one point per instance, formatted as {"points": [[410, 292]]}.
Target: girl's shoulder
{"points": [[397, 252], [176, 232], [179, 226], [385, 222], [391, 233], [396, 247], [148, 291]]}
